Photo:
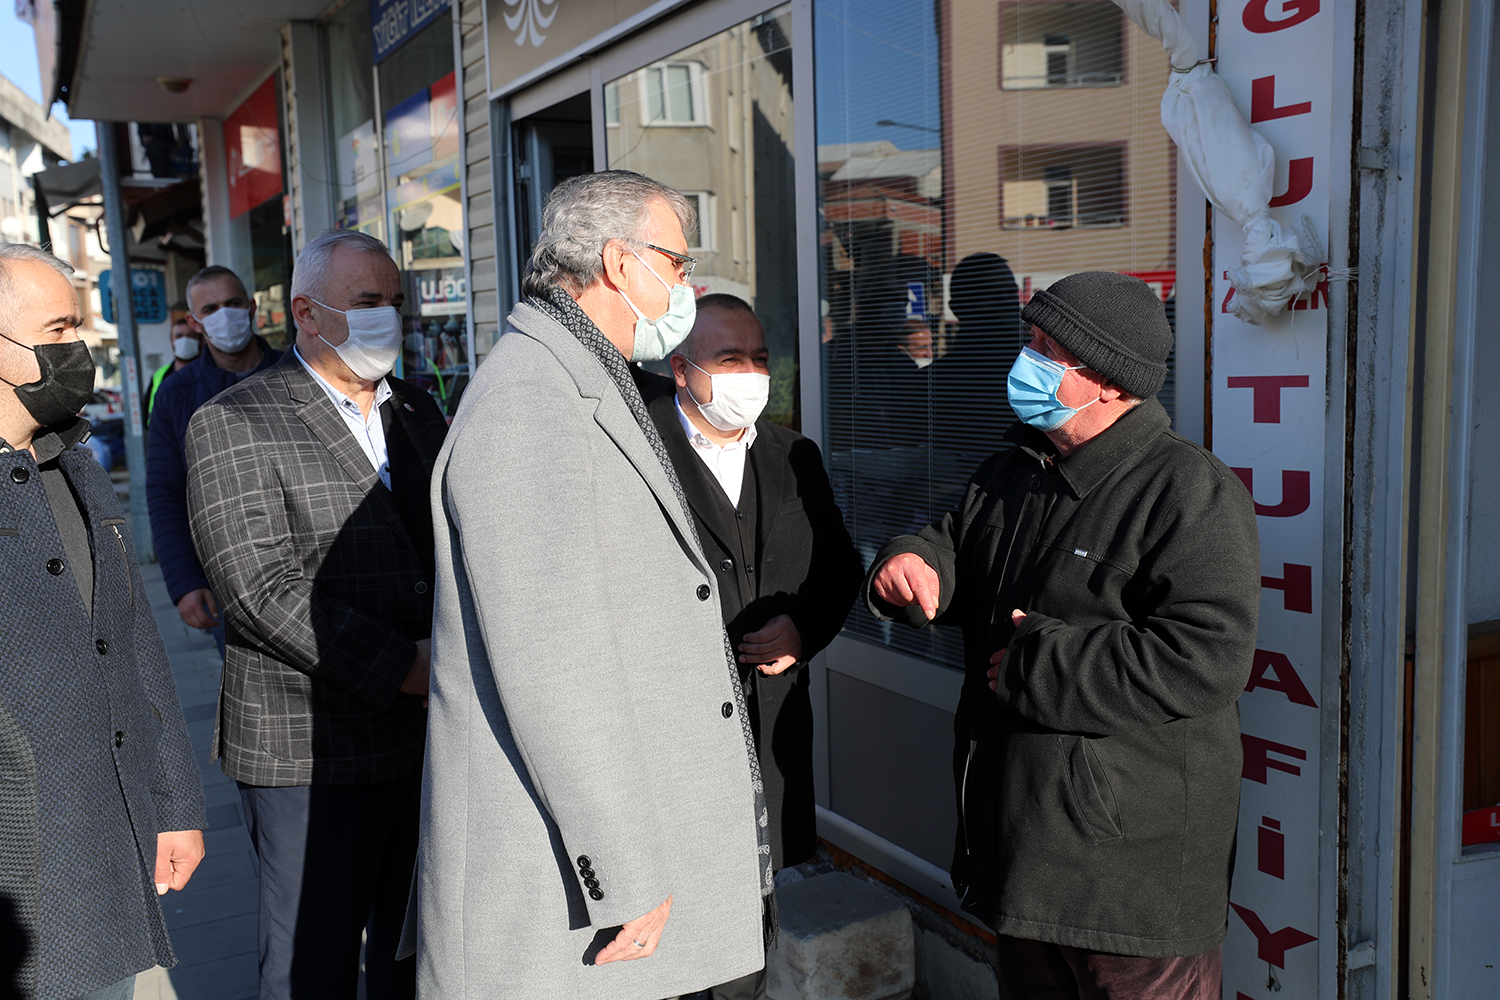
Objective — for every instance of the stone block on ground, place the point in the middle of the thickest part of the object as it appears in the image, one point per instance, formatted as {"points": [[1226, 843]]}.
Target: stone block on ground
{"points": [[841, 938]]}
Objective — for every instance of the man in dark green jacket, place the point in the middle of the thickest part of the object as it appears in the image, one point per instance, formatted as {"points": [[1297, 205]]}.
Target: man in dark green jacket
{"points": [[1106, 574]]}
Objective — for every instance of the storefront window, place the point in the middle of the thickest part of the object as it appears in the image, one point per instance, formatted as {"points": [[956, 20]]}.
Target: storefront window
{"points": [[421, 123], [351, 83], [715, 122], [257, 208], [969, 153]]}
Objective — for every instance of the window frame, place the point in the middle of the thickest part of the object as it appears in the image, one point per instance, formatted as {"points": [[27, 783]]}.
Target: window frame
{"points": [[697, 89]]}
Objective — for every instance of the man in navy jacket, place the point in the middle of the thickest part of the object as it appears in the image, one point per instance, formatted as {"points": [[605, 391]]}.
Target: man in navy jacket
{"points": [[221, 310], [101, 803]]}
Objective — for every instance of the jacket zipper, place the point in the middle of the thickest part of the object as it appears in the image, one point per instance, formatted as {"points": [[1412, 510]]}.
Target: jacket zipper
{"points": [[125, 558], [963, 798]]}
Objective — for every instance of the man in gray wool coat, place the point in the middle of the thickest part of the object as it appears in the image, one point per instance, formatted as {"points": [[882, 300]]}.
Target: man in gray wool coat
{"points": [[593, 820]]}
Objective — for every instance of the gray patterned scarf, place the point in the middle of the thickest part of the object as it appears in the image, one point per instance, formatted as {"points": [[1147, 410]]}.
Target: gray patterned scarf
{"points": [[561, 307]]}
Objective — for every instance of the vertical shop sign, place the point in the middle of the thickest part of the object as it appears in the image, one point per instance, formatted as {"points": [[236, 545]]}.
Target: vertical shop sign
{"points": [[1268, 425], [253, 141], [394, 22]]}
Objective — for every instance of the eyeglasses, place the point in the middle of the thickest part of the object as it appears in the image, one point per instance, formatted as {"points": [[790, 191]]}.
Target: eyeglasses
{"points": [[685, 264]]}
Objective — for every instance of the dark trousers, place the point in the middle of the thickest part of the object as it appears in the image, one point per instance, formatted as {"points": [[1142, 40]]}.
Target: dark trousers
{"points": [[1036, 970], [751, 987], [335, 861]]}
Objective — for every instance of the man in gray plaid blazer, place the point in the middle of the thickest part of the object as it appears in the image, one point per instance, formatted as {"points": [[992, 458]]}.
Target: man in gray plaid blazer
{"points": [[308, 499]]}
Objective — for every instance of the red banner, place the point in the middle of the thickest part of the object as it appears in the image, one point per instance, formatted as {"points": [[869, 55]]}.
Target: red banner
{"points": [[252, 141]]}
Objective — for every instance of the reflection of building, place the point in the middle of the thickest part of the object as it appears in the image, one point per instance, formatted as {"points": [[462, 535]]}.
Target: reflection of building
{"points": [[1055, 158], [29, 142], [715, 122]]}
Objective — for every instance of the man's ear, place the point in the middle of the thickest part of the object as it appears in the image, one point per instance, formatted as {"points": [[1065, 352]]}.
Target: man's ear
{"points": [[679, 369], [1109, 392], [301, 312], [614, 265]]}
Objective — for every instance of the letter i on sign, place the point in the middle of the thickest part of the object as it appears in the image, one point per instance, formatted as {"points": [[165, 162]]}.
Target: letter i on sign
{"points": [[1270, 848]]}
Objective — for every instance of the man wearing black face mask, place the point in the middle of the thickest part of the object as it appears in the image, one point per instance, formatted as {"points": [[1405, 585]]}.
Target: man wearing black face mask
{"points": [[100, 797], [222, 312]]}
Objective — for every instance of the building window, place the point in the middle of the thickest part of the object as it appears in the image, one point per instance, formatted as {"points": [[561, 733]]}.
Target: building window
{"points": [[612, 104], [673, 94], [1062, 187], [1061, 45], [702, 238]]}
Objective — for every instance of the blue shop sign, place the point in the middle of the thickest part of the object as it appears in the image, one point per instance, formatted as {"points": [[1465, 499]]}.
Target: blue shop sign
{"points": [[148, 296], [394, 22]]}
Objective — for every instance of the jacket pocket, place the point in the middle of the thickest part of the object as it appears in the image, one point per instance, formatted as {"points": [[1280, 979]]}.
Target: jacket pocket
{"points": [[1091, 799]]}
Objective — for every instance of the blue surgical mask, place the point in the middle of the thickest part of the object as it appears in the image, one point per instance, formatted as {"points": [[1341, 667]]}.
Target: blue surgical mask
{"points": [[1032, 391], [656, 338]]}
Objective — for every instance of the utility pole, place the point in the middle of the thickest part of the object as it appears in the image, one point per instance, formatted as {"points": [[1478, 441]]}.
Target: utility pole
{"points": [[119, 277]]}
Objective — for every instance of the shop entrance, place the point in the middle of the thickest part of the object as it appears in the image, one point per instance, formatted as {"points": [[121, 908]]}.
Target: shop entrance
{"points": [[549, 147]]}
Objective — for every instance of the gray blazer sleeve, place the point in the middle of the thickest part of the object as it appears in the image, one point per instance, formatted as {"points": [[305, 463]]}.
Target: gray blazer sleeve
{"points": [[518, 488], [238, 516]]}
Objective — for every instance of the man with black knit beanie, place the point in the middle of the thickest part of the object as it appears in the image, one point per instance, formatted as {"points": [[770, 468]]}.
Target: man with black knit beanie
{"points": [[1106, 574]]}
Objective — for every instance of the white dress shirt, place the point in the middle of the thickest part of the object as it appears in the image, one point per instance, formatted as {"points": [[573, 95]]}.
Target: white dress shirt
{"points": [[726, 463], [368, 432]]}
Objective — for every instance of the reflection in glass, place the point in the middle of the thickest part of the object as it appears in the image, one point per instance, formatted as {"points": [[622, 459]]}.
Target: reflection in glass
{"points": [[960, 169], [714, 121]]}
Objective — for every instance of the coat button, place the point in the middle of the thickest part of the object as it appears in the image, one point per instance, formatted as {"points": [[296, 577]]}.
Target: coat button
{"points": [[20, 474], [1036, 483], [119, 739], [421, 588], [55, 567], [727, 709], [595, 895], [586, 873], [703, 592], [101, 646], [591, 883], [749, 568], [584, 862], [726, 565]]}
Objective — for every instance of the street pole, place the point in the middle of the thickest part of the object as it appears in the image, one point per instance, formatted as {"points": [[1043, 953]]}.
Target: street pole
{"points": [[119, 277]]}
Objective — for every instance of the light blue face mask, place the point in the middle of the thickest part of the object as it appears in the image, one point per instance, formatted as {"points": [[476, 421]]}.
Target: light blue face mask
{"points": [[1032, 391], [656, 338]]}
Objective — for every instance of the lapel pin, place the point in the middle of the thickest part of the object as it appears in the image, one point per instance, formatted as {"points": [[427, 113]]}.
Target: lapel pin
{"points": [[409, 408]]}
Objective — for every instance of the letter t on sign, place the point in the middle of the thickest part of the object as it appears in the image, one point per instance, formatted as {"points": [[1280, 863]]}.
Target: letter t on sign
{"points": [[1267, 399]]}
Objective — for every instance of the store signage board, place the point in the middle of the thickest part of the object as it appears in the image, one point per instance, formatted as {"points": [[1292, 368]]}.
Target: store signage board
{"points": [[252, 138], [1269, 417], [148, 297], [525, 35], [393, 23]]}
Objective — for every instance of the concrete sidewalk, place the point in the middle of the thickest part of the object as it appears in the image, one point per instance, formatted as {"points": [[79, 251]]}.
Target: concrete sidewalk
{"points": [[212, 921]]}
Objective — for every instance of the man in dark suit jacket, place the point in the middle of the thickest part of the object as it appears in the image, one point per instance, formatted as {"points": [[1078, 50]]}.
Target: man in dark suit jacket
{"points": [[308, 500], [767, 520], [101, 802]]}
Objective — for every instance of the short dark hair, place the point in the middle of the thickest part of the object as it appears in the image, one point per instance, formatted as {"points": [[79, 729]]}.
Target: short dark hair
{"points": [[209, 273], [725, 301]]}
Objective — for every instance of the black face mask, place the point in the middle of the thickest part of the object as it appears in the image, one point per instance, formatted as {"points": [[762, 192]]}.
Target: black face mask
{"points": [[66, 383]]}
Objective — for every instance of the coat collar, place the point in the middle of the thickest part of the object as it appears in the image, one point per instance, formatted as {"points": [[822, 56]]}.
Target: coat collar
{"points": [[1087, 467], [612, 414]]}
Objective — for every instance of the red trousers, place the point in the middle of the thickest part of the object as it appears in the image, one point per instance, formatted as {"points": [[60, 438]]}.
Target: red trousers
{"points": [[1036, 970]]}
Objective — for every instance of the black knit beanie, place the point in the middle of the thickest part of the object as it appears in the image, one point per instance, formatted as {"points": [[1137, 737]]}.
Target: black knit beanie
{"points": [[1113, 323]]}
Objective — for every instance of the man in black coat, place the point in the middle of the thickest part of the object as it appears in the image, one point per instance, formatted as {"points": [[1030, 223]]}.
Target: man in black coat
{"points": [[308, 498], [1106, 573], [101, 803], [767, 520]]}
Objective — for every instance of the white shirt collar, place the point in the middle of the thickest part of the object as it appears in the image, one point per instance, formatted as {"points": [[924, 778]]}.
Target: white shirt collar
{"points": [[341, 401]]}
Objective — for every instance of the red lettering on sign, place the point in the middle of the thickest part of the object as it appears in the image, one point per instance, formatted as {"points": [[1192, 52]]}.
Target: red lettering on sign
{"points": [[1295, 585], [1299, 178], [1263, 102], [1318, 292], [1297, 11], [1258, 759], [1270, 848], [1267, 402], [1282, 677], [1272, 945], [1224, 306], [1296, 492]]}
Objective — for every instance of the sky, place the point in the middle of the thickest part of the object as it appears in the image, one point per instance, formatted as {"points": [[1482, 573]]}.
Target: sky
{"points": [[877, 60], [18, 64]]}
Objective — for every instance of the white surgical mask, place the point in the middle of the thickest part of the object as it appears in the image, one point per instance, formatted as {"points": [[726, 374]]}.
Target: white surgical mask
{"points": [[186, 348], [739, 398], [374, 341], [228, 329], [656, 338]]}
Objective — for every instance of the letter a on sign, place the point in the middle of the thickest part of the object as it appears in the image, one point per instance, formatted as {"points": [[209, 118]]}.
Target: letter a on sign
{"points": [[1282, 677]]}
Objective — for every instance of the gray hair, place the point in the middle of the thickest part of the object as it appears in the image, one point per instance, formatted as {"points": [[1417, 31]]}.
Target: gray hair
{"points": [[586, 212], [312, 262], [18, 253]]}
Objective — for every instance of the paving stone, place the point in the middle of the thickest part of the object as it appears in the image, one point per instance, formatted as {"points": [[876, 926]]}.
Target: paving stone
{"points": [[841, 938]]}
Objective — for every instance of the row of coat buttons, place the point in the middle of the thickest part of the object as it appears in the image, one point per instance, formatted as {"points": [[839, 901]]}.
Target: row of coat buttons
{"points": [[590, 879]]}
